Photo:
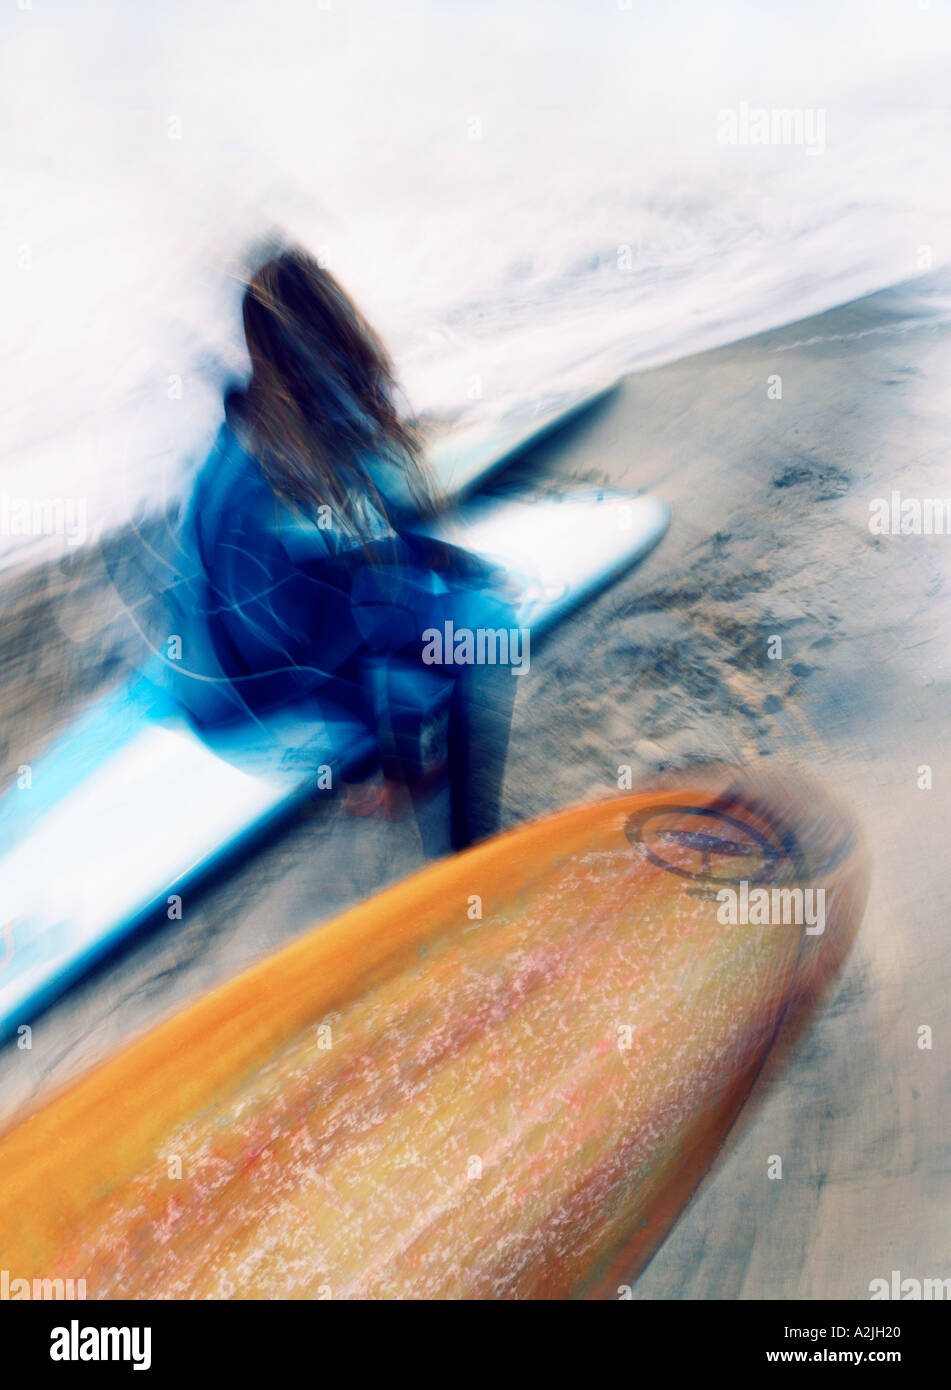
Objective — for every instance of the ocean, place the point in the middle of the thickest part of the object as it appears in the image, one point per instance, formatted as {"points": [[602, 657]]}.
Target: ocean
{"points": [[524, 197]]}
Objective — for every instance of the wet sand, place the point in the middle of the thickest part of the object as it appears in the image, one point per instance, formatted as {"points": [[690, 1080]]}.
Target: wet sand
{"points": [[770, 538]]}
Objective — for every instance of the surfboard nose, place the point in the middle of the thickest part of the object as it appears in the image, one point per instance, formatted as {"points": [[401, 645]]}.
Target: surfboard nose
{"points": [[770, 841]]}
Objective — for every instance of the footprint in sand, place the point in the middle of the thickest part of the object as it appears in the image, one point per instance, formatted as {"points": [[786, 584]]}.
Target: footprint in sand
{"points": [[826, 481]]}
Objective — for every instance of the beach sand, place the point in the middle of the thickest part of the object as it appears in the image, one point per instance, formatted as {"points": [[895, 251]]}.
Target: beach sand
{"points": [[670, 666]]}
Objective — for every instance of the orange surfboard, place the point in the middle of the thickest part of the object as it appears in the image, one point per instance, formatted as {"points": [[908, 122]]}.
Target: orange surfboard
{"points": [[501, 1078]]}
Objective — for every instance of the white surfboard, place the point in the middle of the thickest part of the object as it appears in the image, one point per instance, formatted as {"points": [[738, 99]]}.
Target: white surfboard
{"points": [[468, 455]]}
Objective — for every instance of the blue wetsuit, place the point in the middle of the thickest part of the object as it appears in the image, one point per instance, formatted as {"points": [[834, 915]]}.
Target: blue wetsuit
{"points": [[272, 607]]}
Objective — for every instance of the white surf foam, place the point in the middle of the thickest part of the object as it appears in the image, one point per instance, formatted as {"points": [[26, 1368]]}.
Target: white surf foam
{"points": [[524, 197]]}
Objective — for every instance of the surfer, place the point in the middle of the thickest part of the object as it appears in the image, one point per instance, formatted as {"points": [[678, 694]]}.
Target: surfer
{"points": [[301, 577]]}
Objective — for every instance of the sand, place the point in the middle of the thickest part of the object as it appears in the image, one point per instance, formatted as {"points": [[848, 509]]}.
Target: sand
{"points": [[770, 539]]}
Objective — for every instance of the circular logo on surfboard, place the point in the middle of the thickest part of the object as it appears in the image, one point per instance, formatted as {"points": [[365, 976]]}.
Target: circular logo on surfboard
{"points": [[713, 846]]}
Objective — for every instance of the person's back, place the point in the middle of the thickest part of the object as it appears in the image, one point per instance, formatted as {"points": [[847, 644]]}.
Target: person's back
{"points": [[310, 469], [295, 569]]}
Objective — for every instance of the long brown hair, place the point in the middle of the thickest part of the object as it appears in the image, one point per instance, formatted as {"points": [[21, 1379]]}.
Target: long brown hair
{"points": [[319, 406]]}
